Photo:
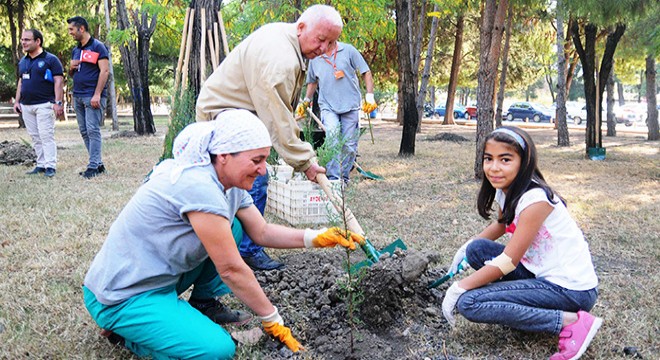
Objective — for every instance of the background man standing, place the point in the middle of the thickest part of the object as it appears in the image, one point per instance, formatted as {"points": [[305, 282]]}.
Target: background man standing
{"points": [[264, 74], [335, 72], [39, 91], [89, 67]]}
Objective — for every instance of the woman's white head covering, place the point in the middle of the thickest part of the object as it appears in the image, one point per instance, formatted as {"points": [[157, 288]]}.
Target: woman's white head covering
{"points": [[231, 132]]}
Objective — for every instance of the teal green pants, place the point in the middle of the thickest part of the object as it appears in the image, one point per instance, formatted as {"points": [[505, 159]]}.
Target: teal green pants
{"points": [[157, 323]]}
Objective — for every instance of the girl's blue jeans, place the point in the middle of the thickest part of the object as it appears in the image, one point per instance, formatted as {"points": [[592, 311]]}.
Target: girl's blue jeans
{"points": [[519, 300]]}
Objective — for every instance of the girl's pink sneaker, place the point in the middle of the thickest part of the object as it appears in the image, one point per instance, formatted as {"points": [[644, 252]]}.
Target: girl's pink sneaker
{"points": [[575, 338]]}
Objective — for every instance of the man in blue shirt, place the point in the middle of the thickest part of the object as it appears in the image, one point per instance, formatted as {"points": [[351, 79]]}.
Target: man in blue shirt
{"points": [[40, 91], [89, 67]]}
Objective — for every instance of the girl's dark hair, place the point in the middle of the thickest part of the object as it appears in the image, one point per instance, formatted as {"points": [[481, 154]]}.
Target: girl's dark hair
{"points": [[529, 177]]}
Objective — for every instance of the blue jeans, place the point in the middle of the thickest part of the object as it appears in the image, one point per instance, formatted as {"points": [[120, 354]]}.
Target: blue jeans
{"points": [[259, 193], [342, 127], [89, 124], [157, 323], [519, 300]]}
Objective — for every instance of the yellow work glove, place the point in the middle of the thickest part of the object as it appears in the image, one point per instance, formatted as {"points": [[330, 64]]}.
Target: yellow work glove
{"points": [[301, 110], [331, 237], [274, 326], [369, 103]]}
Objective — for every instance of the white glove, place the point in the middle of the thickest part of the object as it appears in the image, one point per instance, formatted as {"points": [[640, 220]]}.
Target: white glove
{"points": [[310, 235], [460, 255], [449, 303], [369, 97]]}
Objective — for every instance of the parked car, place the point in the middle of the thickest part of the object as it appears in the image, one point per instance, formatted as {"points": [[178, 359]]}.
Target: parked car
{"points": [[631, 114], [529, 111], [459, 111], [472, 111], [576, 112]]}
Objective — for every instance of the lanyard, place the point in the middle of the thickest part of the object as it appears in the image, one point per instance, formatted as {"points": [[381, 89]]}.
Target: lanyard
{"points": [[334, 61], [31, 63]]}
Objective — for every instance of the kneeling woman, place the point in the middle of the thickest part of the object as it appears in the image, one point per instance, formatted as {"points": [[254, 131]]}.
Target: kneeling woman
{"points": [[176, 231]]}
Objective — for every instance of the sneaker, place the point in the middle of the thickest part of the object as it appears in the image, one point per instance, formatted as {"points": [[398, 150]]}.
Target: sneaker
{"points": [[575, 338], [90, 173], [36, 170], [50, 172], [100, 169], [219, 313], [261, 261]]}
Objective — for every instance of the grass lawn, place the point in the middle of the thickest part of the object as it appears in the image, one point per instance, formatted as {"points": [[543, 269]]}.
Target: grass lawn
{"points": [[50, 229]]}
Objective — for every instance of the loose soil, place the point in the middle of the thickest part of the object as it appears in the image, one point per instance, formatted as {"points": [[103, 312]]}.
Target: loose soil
{"points": [[15, 153], [395, 314]]}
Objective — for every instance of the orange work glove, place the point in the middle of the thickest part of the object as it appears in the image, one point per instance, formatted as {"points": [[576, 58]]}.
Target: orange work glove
{"points": [[301, 109], [331, 237], [274, 326], [369, 103]]}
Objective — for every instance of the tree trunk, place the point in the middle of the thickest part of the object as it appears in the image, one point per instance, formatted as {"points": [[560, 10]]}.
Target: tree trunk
{"points": [[639, 87], [145, 125], [432, 96], [426, 74], [651, 103], [135, 58], [587, 55], [417, 14], [548, 80], [505, 65], [112, 93], [569, 65], [490, 37], [563, 138], [455, 70], [619, 88], [407, 79], [15, 33], [611, 121]]}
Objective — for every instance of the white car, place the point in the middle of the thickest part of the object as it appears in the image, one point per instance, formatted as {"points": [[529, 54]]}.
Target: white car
{"points": [[576, 112], [631, 114]]}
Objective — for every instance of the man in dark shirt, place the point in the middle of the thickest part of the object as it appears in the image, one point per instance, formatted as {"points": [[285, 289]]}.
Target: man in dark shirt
{"points": [[39, 91], [89, 67]]}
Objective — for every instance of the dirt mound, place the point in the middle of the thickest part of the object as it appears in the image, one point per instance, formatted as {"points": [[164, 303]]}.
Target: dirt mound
{"points": [[124, 134], [393, 310], [446, 137], [15, 153]]}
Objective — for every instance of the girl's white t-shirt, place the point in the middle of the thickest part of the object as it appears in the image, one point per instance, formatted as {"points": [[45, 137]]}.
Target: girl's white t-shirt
{"points": [[559, 253]]}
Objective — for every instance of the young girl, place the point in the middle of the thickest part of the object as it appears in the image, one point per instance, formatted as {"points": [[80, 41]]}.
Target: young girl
{"points": [[543, 280]]}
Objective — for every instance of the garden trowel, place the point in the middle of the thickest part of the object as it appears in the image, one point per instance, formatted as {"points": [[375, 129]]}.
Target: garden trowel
{"points": [[373, 255]]}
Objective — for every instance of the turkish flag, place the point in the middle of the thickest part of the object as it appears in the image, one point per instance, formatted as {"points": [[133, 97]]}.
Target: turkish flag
{"points": [[89, 56]]}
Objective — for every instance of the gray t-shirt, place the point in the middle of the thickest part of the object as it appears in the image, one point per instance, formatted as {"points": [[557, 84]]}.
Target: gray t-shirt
{"points": [[151, 244], [338, 95]]}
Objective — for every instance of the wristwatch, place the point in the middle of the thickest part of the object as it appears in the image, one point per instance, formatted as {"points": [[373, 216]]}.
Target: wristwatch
{"points": [[58, 103]]}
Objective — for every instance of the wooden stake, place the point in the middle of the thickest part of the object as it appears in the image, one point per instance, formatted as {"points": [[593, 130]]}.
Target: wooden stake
{"points": [[202, 55], [182, 49], [224, 34], [186, 60], [217, 41], [214, 61]]}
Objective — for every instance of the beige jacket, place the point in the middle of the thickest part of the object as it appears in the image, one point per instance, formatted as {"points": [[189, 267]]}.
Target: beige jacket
{"points": [[263, 74]]}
